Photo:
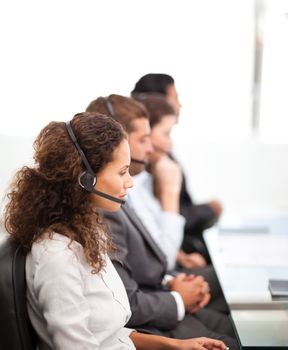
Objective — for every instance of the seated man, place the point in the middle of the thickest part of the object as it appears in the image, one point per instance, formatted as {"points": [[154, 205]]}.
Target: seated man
{"points": [[156, 195], [198, 216], [173, 308]]}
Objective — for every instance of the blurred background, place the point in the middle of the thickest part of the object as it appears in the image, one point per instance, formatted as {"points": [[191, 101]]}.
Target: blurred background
{"points": [[229, 61]]}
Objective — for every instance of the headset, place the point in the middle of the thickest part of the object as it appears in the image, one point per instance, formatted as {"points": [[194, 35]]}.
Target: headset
{"points": [[110, 107], [88, 179], [112, 114]]}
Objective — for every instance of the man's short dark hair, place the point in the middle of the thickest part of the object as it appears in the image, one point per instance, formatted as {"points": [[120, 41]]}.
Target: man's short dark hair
{"points": [[153, 82]]}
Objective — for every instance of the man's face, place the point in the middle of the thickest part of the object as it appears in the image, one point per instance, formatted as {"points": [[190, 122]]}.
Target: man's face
{"points": [[140, 144]]}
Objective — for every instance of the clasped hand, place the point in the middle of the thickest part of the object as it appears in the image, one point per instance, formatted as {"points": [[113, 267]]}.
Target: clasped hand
{"points": [[194, 291]]}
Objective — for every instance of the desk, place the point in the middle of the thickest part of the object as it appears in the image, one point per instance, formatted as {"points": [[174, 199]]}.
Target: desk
{"points": [[261, 328], [244, 261]]}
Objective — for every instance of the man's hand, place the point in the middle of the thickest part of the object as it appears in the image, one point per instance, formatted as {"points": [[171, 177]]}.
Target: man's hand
{"points": [[190, 260], [217, 207], [194, 291]]}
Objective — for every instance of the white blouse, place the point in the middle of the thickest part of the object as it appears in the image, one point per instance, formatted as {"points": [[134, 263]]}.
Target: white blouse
{"points": [[71, 308]]}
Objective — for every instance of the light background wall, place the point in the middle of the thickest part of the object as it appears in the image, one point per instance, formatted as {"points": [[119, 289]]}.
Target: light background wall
{"points": [[56, 56], [59, 55]]}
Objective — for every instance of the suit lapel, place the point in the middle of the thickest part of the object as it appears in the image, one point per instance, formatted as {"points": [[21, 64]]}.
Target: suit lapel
{"points": [[132, 216]]}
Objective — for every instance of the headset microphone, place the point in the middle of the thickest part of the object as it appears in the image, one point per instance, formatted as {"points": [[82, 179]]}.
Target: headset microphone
{"points": [[88, 179], [108, 196], [139, 161]]}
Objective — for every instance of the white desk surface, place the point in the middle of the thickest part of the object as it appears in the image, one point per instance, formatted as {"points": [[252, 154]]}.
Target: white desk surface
{"points": [[244, 262], [261, 328]]}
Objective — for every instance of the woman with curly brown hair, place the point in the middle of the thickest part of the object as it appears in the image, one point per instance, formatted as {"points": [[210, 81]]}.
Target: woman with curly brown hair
{"points": [[76, 300]]}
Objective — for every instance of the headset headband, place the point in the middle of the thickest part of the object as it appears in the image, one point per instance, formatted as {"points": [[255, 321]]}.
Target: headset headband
{"points": [[82, 155]]}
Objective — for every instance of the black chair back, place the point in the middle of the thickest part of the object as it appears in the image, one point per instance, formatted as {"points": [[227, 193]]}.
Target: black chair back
{"points": [[16, 332]]}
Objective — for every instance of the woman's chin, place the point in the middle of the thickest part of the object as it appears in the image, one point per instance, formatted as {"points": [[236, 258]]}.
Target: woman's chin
{"points": [[111, 207]]}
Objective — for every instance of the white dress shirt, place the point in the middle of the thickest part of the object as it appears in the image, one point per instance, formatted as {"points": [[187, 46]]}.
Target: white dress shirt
{"points": [[71, 308], [167, 228]]}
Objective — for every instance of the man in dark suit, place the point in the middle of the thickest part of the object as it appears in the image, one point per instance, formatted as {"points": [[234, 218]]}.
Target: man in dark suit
{"points": [[171, 307]]}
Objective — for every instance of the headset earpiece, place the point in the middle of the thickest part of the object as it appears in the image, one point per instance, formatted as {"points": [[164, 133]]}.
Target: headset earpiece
{"points": [[87, 181]]}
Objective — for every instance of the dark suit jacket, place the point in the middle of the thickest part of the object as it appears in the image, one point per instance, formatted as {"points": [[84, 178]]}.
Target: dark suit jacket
{"points": [[198, 216], [141, 265]]}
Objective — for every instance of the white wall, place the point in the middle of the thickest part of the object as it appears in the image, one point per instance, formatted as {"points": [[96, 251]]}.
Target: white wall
{"points": [[16, 151], [56, 56], [250, 179]]}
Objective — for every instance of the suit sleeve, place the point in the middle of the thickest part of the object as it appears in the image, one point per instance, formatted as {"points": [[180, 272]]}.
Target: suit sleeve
{"points": [[150, 307], [198, 216]]}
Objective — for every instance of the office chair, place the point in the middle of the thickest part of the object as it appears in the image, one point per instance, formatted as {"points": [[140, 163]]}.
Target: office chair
{"points": [[16, 332]]}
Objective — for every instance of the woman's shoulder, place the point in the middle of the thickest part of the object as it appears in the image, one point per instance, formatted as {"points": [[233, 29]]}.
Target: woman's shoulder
{"points": [[55, 244]]}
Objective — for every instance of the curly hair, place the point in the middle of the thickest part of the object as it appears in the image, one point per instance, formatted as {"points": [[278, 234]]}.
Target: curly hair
{"points": [[48, 197]]}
